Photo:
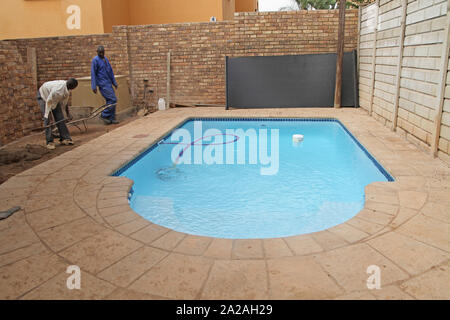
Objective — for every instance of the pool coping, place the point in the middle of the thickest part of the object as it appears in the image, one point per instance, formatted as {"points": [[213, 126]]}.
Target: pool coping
{"points": [[383, 171], [167, 134], [96, 216], [122, 169]]}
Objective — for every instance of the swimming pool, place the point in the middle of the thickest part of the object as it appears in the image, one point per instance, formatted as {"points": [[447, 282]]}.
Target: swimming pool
{"points": [[247, 178]]}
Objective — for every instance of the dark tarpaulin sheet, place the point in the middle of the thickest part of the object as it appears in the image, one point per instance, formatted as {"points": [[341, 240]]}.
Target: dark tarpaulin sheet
{"points": [[289, 81]]}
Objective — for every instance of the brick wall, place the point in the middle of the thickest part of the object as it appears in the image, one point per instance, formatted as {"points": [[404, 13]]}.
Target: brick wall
{"points": [[59, 58], [18, 111], [198, 51], [405, 94]]}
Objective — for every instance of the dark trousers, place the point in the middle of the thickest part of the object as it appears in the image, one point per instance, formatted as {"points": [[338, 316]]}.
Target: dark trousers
{"points": [[110, 97], [57, 115]]}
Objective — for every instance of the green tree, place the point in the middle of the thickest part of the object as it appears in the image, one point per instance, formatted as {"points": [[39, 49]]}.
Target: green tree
{"points": [[325, 4], [315, 4]]}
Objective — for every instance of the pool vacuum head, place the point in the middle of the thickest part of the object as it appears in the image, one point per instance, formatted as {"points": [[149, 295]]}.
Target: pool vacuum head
{"points": [[168, 173]]}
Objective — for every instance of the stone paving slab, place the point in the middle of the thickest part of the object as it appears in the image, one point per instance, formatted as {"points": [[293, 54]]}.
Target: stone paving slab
{"points": [[20, 277], [432, 284], [177, 277], [300, 278], [237, 279], [100, 251], [127, 270], [411, 255], [349, 265], [92, 288], [74, 213]]}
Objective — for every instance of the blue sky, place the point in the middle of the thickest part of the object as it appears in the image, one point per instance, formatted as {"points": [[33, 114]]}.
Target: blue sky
{"points": [[273, 5]]}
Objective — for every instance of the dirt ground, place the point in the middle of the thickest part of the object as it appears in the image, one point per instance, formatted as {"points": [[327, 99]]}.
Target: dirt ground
{"points": [[30, 151]]}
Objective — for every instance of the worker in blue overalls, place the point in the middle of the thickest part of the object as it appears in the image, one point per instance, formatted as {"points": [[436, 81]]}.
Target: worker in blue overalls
{"points": [[102, 76]]}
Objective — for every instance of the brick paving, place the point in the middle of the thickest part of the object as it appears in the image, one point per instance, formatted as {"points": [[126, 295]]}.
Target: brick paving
{"points": [[74, 213]]}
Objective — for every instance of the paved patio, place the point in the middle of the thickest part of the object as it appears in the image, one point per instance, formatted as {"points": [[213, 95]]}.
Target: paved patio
{"points": [[75, 214]]}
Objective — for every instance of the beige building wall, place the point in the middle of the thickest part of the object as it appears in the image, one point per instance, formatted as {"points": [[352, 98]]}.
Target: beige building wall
{"points": [[228, 9], [144, 12], [246, 5], [47, 18], [115, 13]]}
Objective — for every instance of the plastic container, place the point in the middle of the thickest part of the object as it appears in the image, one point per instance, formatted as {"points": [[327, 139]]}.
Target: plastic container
{"points": [[297, 137], [161, 104]]}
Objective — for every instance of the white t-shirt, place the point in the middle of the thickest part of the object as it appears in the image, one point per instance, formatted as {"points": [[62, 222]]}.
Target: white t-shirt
{"points": [[54, 92]]}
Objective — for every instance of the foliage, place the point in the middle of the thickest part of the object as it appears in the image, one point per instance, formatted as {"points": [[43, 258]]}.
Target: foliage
{"points": [[315, 4], [324, 4]]}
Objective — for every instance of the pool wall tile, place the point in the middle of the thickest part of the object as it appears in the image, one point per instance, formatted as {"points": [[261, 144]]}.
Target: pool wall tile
{"points": [[121, 170]]}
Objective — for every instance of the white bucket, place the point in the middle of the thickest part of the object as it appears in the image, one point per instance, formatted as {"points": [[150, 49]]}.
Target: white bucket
{"points": [[297, 137]]}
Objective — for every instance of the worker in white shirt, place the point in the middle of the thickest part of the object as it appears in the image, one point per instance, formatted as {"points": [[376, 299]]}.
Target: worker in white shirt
{"points": [[52, 95]]}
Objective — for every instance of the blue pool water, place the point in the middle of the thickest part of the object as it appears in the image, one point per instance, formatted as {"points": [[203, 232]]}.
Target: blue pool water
{"points": [[312, 186]]}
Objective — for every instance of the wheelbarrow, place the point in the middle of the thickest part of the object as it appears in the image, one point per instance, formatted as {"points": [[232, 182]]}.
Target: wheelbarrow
{"points": [[78, 123]]}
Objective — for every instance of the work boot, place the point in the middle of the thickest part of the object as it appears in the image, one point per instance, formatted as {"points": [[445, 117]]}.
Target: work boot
{"points": [[114, 121], [106, 121], [67, 142], [51, 146]]}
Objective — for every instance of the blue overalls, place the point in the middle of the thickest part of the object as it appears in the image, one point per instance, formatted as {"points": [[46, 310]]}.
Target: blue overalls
{"points": [[102, 76]]}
